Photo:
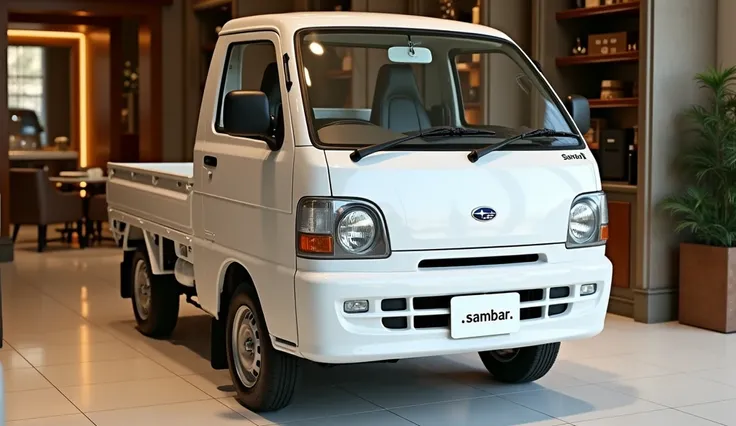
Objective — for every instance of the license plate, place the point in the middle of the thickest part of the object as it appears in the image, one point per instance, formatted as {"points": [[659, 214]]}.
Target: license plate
{"points": [[484, 315]]}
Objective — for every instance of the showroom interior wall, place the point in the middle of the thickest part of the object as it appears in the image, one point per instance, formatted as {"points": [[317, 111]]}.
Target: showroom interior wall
{"points": [[680, 42], [726, 33]]}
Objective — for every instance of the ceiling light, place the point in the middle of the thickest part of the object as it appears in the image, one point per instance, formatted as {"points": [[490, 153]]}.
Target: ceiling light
{"points": [[316, 48], [306, 77]]}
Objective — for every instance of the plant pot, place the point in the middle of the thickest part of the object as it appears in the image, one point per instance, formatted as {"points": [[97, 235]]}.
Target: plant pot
{"points": [[708, 287]]}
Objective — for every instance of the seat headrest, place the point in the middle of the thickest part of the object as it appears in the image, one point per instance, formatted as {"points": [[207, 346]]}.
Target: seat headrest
{"points": [[397, 79], [271, 87], [396, 102]]}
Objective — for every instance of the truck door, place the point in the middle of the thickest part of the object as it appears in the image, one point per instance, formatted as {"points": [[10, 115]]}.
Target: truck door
{"points": [[243, 190]]}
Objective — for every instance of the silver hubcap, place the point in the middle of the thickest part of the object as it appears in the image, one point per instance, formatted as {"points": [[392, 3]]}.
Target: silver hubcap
{"points": [[505, 355], [246, 346], [142, 290]]}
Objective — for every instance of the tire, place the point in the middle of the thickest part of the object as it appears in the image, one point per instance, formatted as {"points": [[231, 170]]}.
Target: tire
{"points": [[523, 365], [157, 317], [264, 378]]}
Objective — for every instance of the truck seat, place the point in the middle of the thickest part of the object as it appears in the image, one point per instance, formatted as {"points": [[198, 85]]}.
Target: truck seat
{"points": [[396, 102], [271, 86]]}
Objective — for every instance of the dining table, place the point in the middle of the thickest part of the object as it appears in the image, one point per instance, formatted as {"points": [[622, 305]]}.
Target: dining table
{"points": [[79, 180], [87, 186]]}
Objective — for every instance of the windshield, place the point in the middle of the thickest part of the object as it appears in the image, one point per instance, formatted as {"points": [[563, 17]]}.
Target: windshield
{"points": [[366, 87]]}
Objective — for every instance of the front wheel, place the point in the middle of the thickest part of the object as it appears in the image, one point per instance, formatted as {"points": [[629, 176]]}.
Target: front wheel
{"points": [[264, 378], [520, 365]]}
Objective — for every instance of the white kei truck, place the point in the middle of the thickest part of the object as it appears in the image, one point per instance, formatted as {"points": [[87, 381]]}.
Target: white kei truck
{"points": [[361, 192]]}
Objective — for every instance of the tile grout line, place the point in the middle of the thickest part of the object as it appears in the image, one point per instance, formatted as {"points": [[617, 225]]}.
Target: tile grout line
{"points": [[96, 325], [52, 385], [119, 340], [664, 407], [239, 414], [116, 338], [564, 422], [699, 417], [373, 403], [671, 406], [447, 401]]}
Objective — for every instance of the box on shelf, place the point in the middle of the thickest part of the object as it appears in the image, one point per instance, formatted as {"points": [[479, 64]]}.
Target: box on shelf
{"points": [[614, 155], [607, 44], [612, 89]]}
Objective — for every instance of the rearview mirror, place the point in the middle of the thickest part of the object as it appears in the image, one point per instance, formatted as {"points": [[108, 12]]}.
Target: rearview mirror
{"points": [[579, 109], [246, 114], [410, 55]]}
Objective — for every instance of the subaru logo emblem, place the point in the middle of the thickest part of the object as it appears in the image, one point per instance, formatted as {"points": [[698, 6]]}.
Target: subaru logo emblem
{"points": [[483, 214]]}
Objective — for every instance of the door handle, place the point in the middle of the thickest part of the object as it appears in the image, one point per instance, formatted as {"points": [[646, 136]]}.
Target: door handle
{"points": [[210, 161]]}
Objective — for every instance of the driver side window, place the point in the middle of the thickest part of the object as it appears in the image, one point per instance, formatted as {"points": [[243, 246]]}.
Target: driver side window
{"points": [[253, 66]]}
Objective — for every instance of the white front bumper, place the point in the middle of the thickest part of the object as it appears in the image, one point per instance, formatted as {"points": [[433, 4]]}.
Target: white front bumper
{"points": [[329, 335]]}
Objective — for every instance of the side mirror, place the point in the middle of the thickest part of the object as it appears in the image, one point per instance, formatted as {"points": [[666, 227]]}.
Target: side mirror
{"points": [[579, 109], [246, 113]]}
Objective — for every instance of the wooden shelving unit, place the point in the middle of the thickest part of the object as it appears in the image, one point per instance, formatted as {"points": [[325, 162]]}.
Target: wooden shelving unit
{"points": [[583, 75], [614, 103], [619, 187], [631, 7], [567, 61]]}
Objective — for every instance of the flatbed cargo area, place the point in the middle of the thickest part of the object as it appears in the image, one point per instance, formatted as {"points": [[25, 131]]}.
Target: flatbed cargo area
{"points": [[178, 170], [158, 192]]}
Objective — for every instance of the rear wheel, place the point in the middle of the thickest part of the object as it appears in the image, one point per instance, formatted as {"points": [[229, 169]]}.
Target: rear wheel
{"points": [[264, 378], [155, 298], [520, 365]]}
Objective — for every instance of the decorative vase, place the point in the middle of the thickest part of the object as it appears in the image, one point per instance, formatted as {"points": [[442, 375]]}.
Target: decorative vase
{"points": [[708, 287]]}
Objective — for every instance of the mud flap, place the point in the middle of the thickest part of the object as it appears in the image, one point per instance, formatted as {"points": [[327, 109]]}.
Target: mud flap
{"points": [[126, 291], [218, 354]]}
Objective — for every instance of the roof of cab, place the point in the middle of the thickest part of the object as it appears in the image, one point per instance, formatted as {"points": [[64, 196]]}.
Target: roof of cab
{"points": [[289, 23]]}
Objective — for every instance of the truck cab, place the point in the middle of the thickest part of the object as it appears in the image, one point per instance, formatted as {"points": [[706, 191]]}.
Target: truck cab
{"points": [[359, 210]]}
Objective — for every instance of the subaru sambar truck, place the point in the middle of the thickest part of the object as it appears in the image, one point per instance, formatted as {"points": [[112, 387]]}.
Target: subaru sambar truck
{"points": [[363, 189]]}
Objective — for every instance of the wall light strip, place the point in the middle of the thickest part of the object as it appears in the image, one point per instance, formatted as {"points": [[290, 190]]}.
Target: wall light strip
{"points": [[83, 101]]}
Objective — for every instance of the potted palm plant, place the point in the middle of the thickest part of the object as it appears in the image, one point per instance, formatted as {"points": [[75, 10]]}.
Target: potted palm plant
{"points": [[705, 210]]}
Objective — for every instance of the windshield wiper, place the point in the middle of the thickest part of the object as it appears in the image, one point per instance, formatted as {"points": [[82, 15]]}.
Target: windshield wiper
{"points": [[476, 154], [446, 131]]}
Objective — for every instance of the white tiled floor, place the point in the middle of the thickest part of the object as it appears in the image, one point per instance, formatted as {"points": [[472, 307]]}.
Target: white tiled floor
{"points": [[72, 357]]}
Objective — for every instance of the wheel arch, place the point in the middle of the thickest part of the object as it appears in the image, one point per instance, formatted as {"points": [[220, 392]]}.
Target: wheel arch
{"points": [[232, 275], [132, 237]]}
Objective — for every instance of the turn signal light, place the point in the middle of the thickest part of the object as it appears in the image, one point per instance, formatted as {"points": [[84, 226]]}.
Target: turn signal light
{"points": [[604, 232], [317, 244]]}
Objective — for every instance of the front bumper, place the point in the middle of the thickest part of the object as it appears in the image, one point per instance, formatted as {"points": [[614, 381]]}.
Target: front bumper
{"points": [[421, 328]]}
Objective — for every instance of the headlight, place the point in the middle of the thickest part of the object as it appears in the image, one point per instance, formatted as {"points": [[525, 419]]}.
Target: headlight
{"points": [[341, 229], [588, 224], [583, 222], [356, 231]]}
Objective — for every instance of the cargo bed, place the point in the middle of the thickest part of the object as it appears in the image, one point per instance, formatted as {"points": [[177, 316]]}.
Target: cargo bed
{"points": [[155, 192]]}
